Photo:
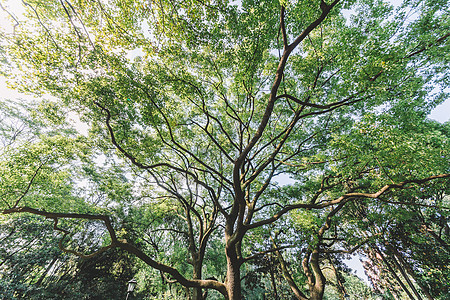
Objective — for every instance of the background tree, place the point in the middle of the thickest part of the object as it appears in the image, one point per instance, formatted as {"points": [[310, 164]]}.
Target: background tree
{"points": [[197, 107]]}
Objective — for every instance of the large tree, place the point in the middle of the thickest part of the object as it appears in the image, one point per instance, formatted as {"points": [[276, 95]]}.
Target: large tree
{"points": [[196, 109]]}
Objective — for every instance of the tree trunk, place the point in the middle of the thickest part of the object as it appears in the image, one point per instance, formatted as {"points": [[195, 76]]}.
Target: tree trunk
{"points": [[233, 280], [197, 293], [438, 239], [316, 280], [394, 274], [339, 280], [402, 271], [44, 274], [272, 281], [411, 272], [317, 290]]}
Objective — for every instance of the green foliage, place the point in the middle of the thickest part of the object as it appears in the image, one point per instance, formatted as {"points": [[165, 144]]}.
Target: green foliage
{"points": [[193, 109]]}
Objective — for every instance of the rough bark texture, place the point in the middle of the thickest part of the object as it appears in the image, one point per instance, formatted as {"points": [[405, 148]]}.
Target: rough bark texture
{"points": [[233, 281]]}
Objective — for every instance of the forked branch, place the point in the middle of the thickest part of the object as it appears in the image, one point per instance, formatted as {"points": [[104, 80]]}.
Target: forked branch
{"points": [[115, 243], [345, 198], [56, 216]]}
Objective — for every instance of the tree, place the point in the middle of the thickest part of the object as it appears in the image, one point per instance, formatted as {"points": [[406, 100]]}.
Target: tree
{"points": [[198, 106], [415, 247], [33, 267]]}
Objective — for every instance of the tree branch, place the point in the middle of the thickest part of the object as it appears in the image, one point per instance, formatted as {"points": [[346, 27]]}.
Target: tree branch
{"points": [[344, 198], [211, 284], [438, 41], [56, 216], [352, 250], [12, 17], [27, 189], [283, 27], [275, 249], [208, 283], [239, 204]]}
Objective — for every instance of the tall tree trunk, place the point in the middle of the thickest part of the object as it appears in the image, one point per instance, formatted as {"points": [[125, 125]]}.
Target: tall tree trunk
{"points": [[316, 280], [392, 271], [197, 294], [403, 272], [406, 277], [233, 280], [273, 283], [411, 272], [197, 262], [44, 274], [317, 290], [374, 268], [438, 239]]}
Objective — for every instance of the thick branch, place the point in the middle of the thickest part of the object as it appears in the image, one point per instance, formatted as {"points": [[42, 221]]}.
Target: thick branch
{"points": [[239, 205], [211, 284], [345, 198], [287, 275], [325, 11], [57, 216], [208, 284]]}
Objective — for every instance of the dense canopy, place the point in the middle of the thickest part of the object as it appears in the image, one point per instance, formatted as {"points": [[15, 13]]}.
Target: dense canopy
{"points": [[235, 149]]}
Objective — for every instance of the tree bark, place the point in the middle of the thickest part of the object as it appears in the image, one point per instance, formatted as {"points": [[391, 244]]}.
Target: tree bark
{"points": [[317, 290], [438, 239], [402, 271], [197, 293], [44, 274], [233, 280], [274, 284]]}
